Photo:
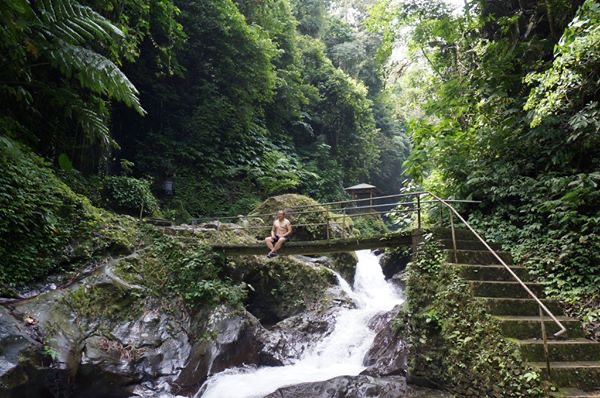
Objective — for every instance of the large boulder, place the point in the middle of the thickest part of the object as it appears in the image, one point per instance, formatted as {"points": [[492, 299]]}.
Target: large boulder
{"points": [[307, 216], [346, 387], [282, 287], [97, 342], [388, 354], [237, 341], [357, 387], [20, 357], [289, 339], [394, 261]]}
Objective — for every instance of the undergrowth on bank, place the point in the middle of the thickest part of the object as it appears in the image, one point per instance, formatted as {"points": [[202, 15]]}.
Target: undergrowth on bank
{"points": [[44, 226], [454, 342], [552, 227], [190, 272]]}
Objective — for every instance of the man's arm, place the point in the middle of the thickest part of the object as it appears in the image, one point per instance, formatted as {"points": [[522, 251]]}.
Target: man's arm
{"points": [[273, 230], [289, 230]]}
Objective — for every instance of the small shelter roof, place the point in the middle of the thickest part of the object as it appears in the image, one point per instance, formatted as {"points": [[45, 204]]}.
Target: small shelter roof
{"points": [[360, 186]]}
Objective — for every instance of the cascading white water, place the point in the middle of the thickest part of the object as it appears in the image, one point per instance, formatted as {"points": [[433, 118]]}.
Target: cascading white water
{"points": [[341, 353]]}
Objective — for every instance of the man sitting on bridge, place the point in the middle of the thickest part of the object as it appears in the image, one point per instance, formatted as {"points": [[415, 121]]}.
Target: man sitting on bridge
{"points": [[280, 233]]}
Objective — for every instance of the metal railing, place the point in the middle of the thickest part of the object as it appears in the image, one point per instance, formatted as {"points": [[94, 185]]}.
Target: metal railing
{"points": [[332, 215]]}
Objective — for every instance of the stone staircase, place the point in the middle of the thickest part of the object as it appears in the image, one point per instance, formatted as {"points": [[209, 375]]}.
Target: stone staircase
{"points": [[574, 360]]}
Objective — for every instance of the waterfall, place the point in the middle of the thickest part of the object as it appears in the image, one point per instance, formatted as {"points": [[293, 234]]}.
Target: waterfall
{"points": [[340, 353]]}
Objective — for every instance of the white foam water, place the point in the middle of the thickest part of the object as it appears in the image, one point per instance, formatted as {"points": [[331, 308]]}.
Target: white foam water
{"points": [[340, 353]]}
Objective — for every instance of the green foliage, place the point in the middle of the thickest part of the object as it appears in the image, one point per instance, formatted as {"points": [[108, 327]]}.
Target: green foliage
{"points": [[44, 226], [565, 86], [552, 227], [151, 30], [196, 274], [90, 187], [101, 302], [130, 195], [453, 340], [260, 106], [369, 225], [310, 15], [61, 34], [503, 109], [218, 196]]}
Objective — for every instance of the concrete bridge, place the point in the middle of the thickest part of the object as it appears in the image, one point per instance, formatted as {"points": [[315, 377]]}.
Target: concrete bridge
{"points": [[321, 246]]}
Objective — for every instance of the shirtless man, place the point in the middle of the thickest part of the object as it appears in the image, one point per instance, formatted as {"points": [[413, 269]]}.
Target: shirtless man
{"points": [[280, 233]]}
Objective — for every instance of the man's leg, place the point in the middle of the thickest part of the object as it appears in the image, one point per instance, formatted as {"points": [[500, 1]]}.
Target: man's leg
{"points": [[269, 243], [279, 243]]}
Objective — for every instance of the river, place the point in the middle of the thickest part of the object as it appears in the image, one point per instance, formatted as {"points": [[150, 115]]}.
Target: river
{"points": [[340, 353]]}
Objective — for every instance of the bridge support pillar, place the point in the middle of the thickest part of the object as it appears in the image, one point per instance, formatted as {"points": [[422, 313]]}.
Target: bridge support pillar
{"points": [[417, 236]]}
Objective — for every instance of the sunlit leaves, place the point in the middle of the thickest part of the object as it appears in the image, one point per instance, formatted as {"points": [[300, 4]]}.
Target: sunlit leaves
{"points": [[572, 79]]}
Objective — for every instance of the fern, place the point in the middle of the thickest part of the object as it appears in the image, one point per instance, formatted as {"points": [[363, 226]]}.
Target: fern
{"points": [[95, 72], [92, 118], [65, 33], [72, 22]]}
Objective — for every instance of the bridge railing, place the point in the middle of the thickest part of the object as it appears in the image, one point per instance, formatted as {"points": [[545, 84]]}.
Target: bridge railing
{"points": [[335, 215]]}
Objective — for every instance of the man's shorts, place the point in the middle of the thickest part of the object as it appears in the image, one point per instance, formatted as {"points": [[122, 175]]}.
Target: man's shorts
{"points": [[276, 238]]}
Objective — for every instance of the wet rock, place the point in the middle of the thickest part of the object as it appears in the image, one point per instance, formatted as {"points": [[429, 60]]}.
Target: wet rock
{"points": [[393, 262], [290, 338], [388, 354], [358, 387], [237, 343], [283, 287], [378, 252], [345, 264], [346, 387], [18, 352]]}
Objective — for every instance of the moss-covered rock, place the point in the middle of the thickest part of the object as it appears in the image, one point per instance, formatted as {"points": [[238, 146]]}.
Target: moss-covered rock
{"points": [[395, 260], [345, 264], [309, 219], [44, 226], [281, 287]]}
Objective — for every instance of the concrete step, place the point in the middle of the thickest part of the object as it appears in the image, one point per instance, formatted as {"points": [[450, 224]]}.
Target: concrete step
{"points": [[529, 327], [560, 350], [478, 272], [468, 245], [574, 393], [484, 257], [581, 374], [520, 306], [506, 289]]}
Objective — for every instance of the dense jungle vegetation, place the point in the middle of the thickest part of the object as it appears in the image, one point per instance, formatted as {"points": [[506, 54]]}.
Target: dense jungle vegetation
{"points": [[238, 100], [234, 101], [503, 108]]}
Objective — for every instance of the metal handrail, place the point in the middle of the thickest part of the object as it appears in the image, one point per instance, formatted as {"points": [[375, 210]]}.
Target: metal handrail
{"points": [[514, 275], [291, 209]]}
